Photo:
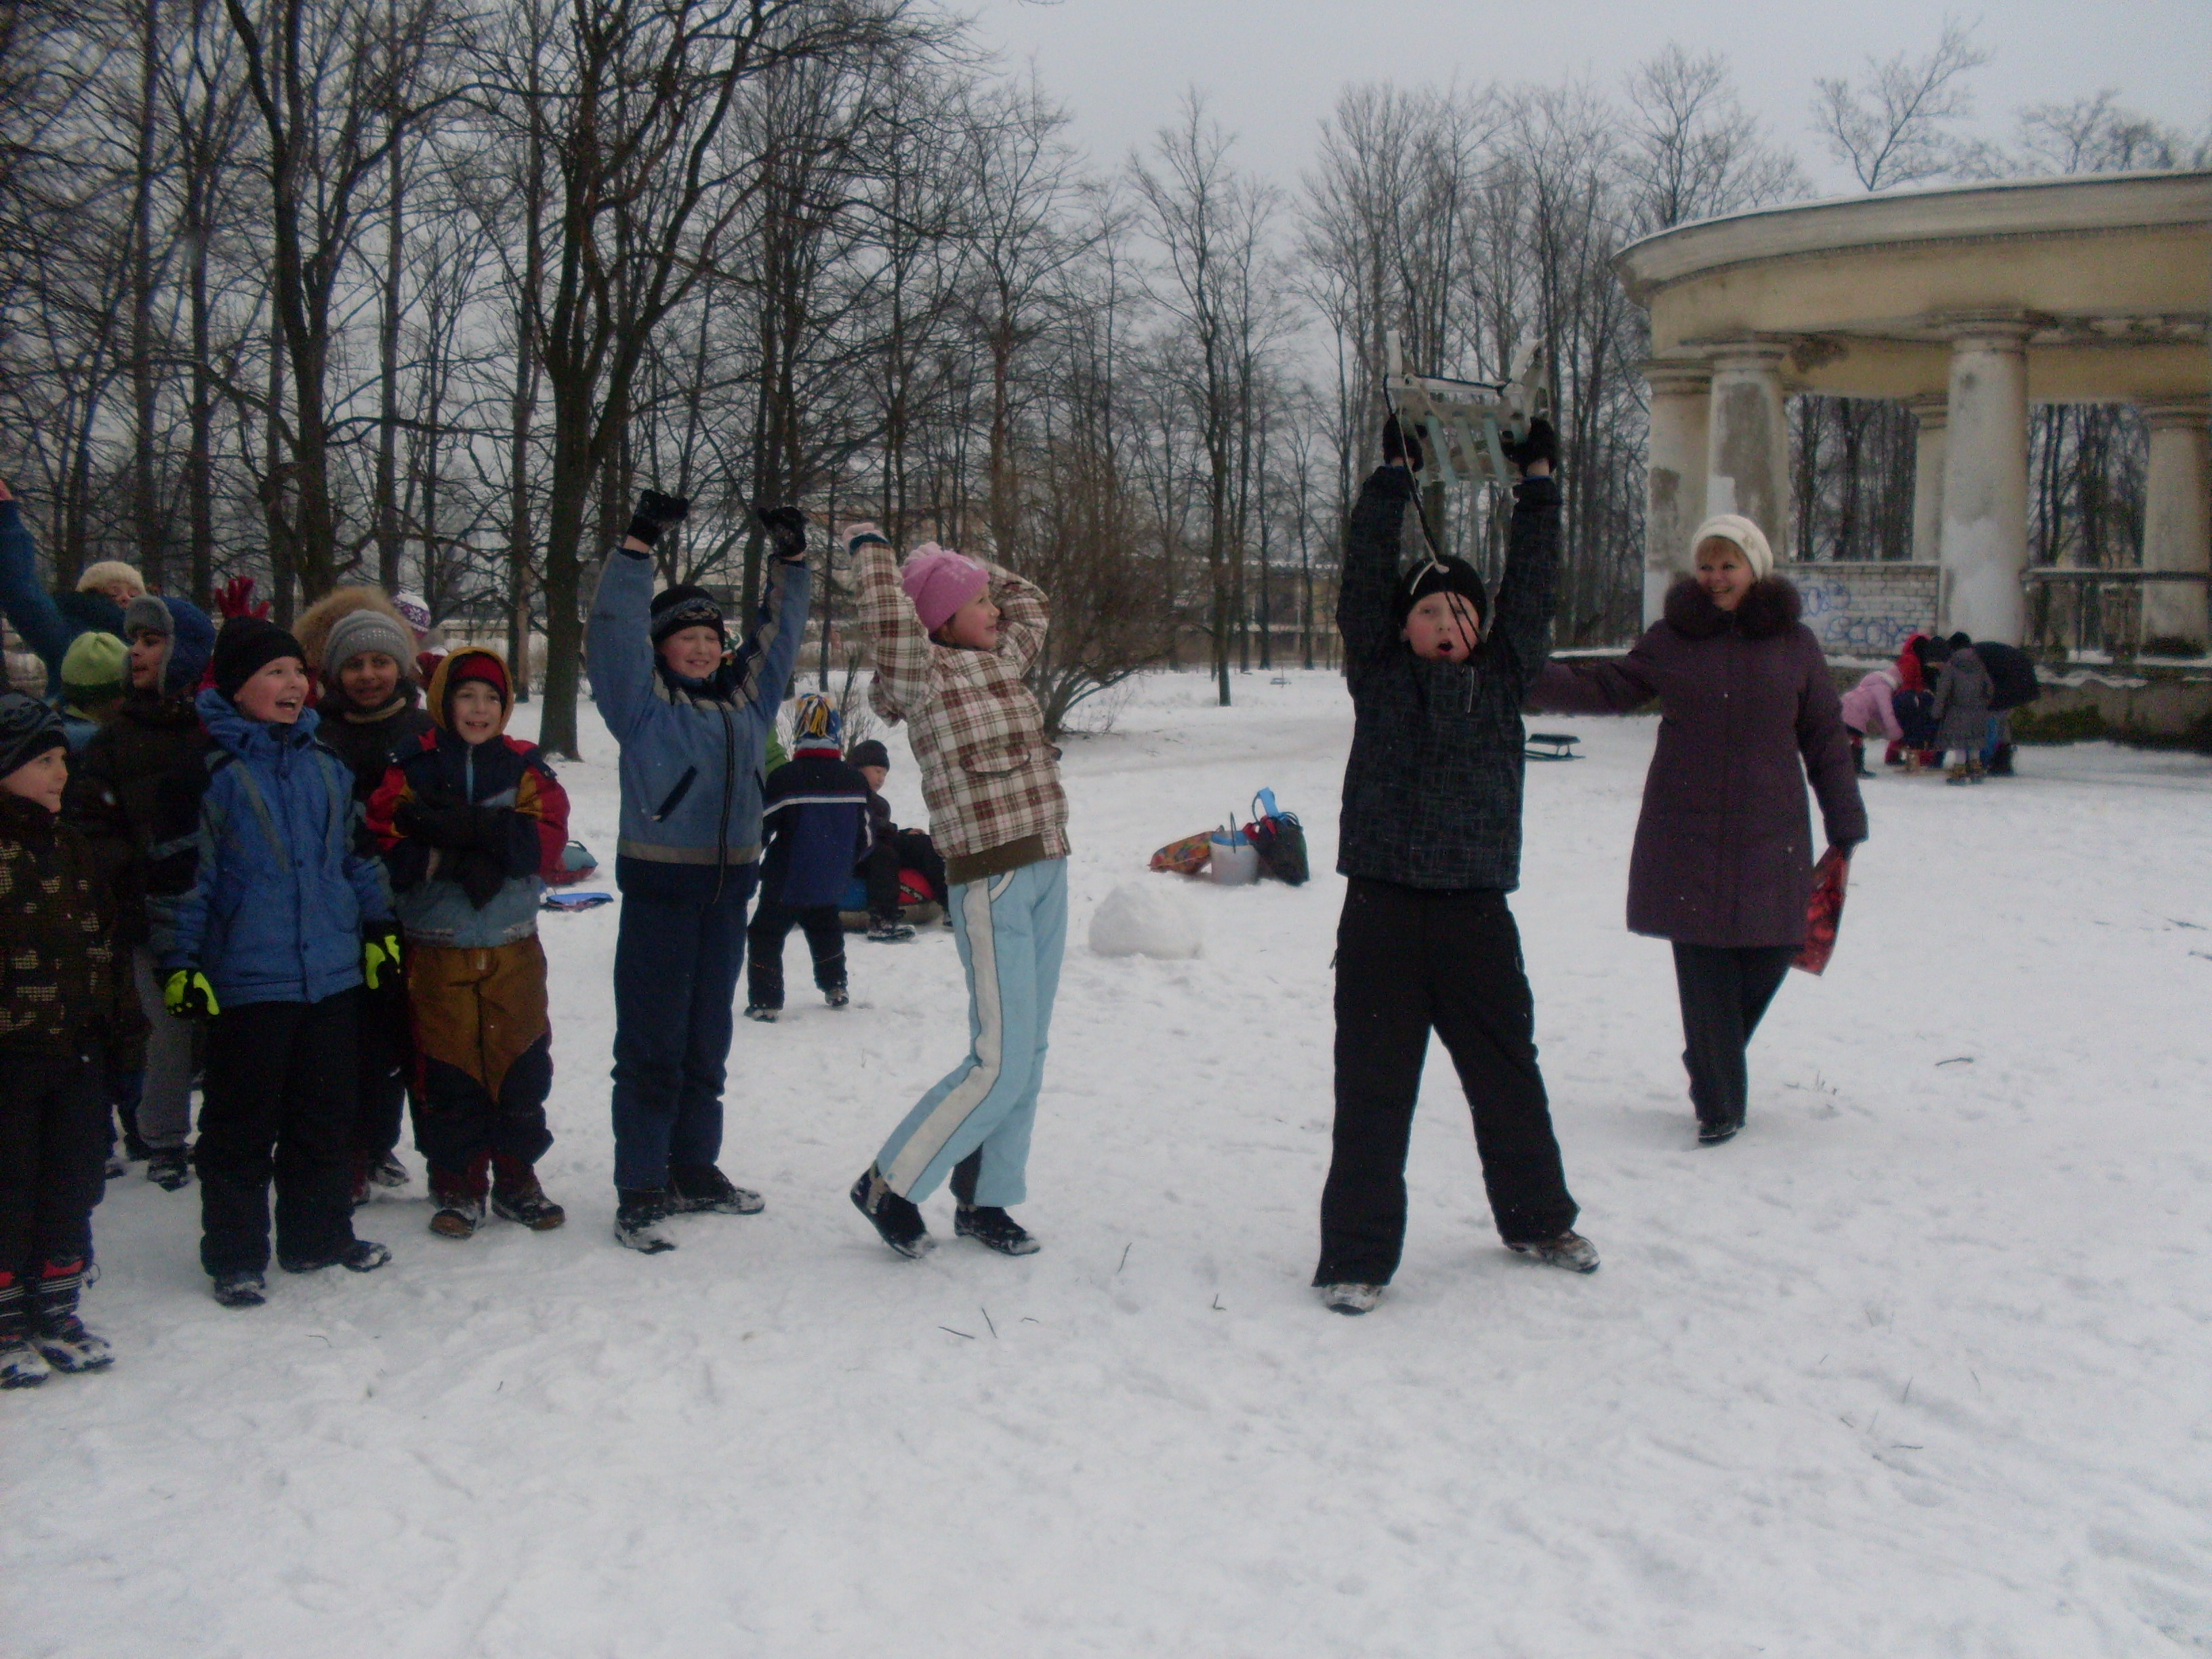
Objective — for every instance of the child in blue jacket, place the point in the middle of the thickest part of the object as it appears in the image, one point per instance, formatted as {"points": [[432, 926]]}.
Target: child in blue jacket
{"points": [[693, 718], [287, 915], [815, 825]]}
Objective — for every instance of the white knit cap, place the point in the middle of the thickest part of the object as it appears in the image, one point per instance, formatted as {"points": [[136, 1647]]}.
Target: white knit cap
{"points": [[1748, 538]]}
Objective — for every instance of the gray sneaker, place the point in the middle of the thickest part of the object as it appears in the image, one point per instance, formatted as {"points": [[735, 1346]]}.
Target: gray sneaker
{"points": [[1569, 1250]]}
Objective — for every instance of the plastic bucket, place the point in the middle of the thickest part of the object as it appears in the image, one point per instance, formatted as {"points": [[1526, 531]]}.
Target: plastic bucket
{"points": [[1235, 860]]}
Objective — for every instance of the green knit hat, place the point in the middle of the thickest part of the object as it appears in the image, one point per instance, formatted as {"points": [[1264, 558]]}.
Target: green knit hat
{"points": [[96, 669]]}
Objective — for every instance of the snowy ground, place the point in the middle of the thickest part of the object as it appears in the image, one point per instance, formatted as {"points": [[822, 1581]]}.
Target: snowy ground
{"points": [[1917, 1366]]}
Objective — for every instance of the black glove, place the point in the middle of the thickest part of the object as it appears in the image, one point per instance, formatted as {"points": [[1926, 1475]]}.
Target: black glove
{"points": [[655, 513], [441, 821], [1542, 444], [787, 530], [479, 873], [1401, 442]]}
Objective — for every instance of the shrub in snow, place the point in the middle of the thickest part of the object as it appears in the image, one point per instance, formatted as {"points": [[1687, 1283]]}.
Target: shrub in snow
{"points": [[1145, 920]]}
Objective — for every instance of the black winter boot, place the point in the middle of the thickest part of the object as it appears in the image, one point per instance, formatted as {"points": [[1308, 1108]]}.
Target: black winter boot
{"points": [[989, 1225], [55, 1331], [363, 1255], [638, 1213], [170, 1168], [460, 1196], [703, 1189], [898, 1222], [21, 1365]]}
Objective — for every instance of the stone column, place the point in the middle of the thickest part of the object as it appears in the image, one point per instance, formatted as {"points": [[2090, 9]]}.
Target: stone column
{"points": [[1984, 537], [2178, 519], [1933, 414], [1747, 446], [1674, 485]]}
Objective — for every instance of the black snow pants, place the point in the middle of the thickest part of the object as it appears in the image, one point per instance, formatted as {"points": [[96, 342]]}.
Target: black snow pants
{"points": [[771, 924], [1725, 990], [384, 1060], [278, 1100], [53, 1157], [905, 849], [1409, 962]]}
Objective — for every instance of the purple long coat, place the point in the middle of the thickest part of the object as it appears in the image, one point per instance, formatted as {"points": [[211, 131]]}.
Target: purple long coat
{"points": [[1724, 848]]}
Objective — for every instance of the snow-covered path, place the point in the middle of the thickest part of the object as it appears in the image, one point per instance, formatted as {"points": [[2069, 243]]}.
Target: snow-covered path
{"points": [[1917, 1366]]}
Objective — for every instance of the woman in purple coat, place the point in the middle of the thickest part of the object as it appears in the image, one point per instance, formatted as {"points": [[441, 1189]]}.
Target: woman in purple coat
{"points": [[1723, 859]]}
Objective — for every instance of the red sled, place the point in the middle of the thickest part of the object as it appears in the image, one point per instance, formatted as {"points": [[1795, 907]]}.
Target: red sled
{"points": [[1824, 911]]}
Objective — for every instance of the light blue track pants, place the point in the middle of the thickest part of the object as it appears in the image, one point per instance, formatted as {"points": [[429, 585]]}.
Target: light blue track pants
{"points": [[1012, 929]]}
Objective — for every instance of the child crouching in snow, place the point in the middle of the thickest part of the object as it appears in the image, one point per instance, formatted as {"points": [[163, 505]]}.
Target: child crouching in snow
{"points": [[285, 921], [471, 822], [1430, 840], [814, 825], [952, 638], [64, 999]]}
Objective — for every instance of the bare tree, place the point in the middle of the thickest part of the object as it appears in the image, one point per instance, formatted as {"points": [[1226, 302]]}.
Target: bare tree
{"points": [[1692, 151], [1897, 128]]}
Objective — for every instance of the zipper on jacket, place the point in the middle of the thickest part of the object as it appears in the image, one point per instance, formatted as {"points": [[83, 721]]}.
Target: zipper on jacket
{"points": [[729, 783], [675, 796]]}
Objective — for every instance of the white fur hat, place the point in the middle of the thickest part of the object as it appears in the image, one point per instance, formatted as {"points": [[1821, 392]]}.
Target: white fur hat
{"points": [[1746, 536]]}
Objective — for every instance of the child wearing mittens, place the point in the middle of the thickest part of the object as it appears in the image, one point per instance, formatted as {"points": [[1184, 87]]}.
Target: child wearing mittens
{"points": [[472, 822]]}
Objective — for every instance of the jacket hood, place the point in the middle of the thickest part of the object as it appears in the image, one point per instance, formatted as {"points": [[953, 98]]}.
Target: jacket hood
{"points": [[312, 629], [1771, 607], [244, 736], [451, 671]]}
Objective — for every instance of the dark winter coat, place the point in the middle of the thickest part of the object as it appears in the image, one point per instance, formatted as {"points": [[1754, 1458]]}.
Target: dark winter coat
{"points": [[134, 793], [281, 887], [59, 981], [370, 741], [1962, 702], [2012, 674], [470, 878], [1432, 788], [816, 824], [1747, 712]]}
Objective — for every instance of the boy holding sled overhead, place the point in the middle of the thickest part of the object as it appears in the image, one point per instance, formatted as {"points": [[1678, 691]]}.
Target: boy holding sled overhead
{"points": [[952, 638], [1430, 840]]}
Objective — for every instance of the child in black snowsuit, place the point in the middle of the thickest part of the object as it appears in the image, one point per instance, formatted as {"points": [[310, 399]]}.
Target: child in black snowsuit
{"points": [[65, 1005], [814, 825], [1430, 839], [891, 850]]}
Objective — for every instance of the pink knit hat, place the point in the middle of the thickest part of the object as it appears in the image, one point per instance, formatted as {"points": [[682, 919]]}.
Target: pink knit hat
{"points": [[939, 582]]}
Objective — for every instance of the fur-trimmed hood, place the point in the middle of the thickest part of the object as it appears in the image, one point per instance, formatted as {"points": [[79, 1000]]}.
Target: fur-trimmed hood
{"points": [[312, 629], [1771, 607]]}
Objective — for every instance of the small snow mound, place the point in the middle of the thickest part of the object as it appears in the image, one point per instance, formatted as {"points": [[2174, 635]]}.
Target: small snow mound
{"points": [[1146, 919]]}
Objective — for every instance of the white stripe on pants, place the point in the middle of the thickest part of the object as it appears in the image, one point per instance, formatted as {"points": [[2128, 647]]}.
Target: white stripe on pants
{"points": [[1011, 930]]}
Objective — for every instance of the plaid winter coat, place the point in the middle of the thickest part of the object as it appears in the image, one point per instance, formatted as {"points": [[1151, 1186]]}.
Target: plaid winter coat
{"points": [[59, 982], [991, 780], [1432, 790]]}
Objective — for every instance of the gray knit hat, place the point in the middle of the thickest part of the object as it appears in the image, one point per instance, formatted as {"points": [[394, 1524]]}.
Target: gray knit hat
{"points": [[146, 612], [367, 630]]}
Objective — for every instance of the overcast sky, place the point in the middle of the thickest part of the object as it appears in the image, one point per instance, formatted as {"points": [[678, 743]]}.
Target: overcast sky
{"points": [[1272, 69]]}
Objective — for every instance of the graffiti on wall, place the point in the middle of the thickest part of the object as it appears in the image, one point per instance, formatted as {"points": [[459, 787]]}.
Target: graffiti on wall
{"points": [[1871, 617]]}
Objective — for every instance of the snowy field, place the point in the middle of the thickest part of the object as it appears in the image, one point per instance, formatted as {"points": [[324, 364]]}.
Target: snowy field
{"points": [[1921, 1364]]}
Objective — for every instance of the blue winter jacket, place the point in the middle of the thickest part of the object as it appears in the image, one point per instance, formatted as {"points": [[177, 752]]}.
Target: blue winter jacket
{"points": [[47, 624], [816, 824], [691, 751], [283, 885]]}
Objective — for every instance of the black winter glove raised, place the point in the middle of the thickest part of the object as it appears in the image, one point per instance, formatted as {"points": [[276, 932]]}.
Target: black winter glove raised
{"points": [[787, 530], [1402, 443], [1542, 444], [655, 513]]}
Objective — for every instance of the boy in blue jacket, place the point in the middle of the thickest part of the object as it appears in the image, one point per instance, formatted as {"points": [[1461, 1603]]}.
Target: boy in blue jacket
{"points": [[693, 718], [815, 824], [287, 916]]}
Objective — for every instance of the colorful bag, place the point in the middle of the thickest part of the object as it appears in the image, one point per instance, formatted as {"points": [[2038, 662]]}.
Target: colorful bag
{"points": [[1185, 857], [1280, 838], [1824, 911]]}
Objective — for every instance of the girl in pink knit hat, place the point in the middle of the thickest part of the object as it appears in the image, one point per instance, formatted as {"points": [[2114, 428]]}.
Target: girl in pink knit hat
{"points": [[953, 637]]}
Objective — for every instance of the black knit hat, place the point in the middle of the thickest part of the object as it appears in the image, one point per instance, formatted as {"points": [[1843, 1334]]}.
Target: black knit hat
{"points": [[869, 752], [685, 607], [246, 646], [1444, 575], [28, 729]]}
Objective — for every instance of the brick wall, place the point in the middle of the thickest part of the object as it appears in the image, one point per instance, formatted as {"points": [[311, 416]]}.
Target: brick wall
{"points": [[1866, 610]]}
